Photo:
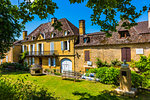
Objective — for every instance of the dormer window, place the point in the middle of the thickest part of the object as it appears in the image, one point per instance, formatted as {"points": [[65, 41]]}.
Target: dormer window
{"points": [[43, 35], [33, 37], [86, 40], [123, 34], [53, 35], [66, 33], [27, 38]]}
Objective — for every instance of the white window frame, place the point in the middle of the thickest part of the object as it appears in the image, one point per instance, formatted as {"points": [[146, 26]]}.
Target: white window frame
{"points": [[66, 33], [49, 61]]}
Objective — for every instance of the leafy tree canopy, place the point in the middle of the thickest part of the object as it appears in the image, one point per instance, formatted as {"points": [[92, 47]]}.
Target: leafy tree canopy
{"points": [[109, 9], [13, 17]]}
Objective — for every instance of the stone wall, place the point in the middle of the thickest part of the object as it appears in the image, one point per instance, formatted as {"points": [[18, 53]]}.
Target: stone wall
{"points": [[106, 53]]}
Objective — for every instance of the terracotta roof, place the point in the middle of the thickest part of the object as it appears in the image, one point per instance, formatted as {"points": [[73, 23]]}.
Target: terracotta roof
{"points": [[142, 27], [47, 28], [17, 42], [136, 36]]}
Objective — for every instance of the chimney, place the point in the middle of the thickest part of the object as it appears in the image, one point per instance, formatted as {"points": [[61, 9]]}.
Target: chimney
{"points": [[149, 18], [53, 20], [24, 35], [81, 27]]}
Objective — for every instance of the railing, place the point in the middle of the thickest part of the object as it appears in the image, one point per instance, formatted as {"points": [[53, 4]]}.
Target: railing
{"points": [[41, 53]]}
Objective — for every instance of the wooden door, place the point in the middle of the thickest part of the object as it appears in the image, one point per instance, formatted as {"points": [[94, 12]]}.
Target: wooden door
{"points": [[126, 54]]}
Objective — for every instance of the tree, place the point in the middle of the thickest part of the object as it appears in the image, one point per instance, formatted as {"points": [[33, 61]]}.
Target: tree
{"points": [[13, 18], [110, 8]]}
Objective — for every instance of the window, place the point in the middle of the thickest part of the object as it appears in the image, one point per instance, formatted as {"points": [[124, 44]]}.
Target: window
{"points": [[33, 61], [43, 35], [29, 61], [66, 33], [33, 37], [87, 55], [85, 40], [124, 34], [27, 38], [52, 35], [51, 62], [126, 54], [65, 45]]}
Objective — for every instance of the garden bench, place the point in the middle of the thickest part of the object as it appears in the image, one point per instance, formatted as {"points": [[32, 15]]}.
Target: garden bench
{"points": [[70, 74]]}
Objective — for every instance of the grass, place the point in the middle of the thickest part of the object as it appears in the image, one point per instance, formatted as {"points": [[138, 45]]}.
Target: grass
{"points": [[68, 89]]}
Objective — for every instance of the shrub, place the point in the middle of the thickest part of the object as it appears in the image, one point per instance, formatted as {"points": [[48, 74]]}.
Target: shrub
{"points": [[14, 66], [99, 63], [21, 89], [58, 74], [116, 62], [108, 75], [93, 70], [136, 79]]}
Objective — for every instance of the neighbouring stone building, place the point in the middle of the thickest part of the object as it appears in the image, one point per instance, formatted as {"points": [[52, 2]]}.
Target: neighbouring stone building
{"points": [[74, 50], [13, 54], [123, 45]]}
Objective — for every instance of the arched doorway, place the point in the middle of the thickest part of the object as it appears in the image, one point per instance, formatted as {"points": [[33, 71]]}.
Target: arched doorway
{"points": [[66, 65]]}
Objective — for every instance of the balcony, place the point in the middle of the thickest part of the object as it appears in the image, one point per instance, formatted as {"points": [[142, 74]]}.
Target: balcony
{"points": [[42, 53]]}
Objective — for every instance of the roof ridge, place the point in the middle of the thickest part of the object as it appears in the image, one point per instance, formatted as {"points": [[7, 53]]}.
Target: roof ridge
{"points": [[68, 25]]}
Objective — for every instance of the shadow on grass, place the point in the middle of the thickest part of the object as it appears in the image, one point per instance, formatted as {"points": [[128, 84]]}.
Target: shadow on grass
{"points": [[14, 72], [110, 95], [69, 79]]}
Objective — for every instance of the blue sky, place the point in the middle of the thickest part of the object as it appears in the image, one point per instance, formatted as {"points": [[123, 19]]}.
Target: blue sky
{"points": [[76, 12]]}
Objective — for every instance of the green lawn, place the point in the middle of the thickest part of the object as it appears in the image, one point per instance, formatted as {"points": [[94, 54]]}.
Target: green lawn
{"points": [[68, 89]]}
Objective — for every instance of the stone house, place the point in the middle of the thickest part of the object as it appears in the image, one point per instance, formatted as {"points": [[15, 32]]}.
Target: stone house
{"points": [[51, 48], [125, 44], [13, 54]]}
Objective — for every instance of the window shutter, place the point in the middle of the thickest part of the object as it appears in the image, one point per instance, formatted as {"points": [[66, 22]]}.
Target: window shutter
{"points": [[29, 49], [33, 49], [37, 48], [42, 48], [22, 48], [52, 46], [123, 54], [68, 45], [49, 61], [87, 55], [33, 61], [62, 45], [29, 61], [128, 54], [54, 62]]}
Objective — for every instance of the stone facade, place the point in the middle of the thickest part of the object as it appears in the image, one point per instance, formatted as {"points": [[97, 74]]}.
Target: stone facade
{"points": [[107, 53], [12, 55]]}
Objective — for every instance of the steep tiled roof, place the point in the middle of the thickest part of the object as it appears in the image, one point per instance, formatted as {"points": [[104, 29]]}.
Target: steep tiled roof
{"points": [[142, 27], [47, 28], [17, 42], [138, 34]]}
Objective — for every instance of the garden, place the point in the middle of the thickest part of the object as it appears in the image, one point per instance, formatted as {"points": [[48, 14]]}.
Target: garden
{"points": [[17, 83]]}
